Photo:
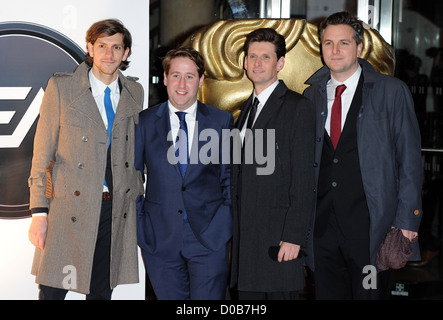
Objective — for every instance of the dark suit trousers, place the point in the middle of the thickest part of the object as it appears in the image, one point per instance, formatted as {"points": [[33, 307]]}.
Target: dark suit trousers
{"points": [[250, 295], [339, 263], [193, 273], [100, 288]]}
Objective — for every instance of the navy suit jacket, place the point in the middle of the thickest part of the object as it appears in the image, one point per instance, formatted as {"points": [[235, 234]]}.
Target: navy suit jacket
{"points": [[204, 192]]}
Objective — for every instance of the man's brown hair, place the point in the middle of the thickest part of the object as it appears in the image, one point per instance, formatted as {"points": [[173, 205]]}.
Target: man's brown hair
{"points": [[107, 28], [185, 52]]}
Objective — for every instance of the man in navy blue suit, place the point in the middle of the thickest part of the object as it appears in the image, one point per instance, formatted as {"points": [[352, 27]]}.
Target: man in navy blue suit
{"points": [[184, 219]]}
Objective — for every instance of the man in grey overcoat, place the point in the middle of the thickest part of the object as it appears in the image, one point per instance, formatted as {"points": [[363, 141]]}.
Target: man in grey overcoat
{"points": [[83, 184]]}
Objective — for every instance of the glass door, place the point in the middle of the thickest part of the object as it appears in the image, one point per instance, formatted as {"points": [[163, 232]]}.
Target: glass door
{"points": [[414, 29]]}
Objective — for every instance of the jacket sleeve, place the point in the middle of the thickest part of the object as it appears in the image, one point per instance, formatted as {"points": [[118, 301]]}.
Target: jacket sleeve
{"points": [[301, 191], [408, 160], [45, 145], [139, 159]]}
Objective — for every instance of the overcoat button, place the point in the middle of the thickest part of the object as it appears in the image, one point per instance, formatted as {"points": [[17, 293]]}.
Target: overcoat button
{"points": [[76, 193], [127, 164], [73, 219], [85, 139], [124, 215], [80, 165]]}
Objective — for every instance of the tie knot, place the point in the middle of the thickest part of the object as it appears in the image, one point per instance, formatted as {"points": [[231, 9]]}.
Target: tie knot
{"points": [[255, 103], [339, 90], [107, 90], [181, 115]]}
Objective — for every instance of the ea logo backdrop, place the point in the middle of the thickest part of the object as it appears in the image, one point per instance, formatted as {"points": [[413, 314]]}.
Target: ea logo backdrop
{"points": [[29, 54]]}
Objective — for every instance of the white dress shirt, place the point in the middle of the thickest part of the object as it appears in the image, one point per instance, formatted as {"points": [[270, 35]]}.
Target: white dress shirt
{"points": [[98, 92], [346, 97], [262, 98], [191, 117]]}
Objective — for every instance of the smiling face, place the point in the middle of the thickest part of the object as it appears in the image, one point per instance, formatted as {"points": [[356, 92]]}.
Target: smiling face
{"points": [[182, 82], [262, 65], [340, 51], [108, 53]]}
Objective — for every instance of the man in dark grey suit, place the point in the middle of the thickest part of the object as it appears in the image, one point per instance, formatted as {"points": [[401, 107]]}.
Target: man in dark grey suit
{"points": [[271, 207]]}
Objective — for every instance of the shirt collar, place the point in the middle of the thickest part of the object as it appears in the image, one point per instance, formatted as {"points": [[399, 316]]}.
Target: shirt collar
{"points": [[98, 87], [191, 111], [265, 94], [350, 83]]}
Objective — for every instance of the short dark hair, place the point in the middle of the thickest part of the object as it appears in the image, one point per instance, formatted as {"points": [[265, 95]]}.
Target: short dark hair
{"points": [[107, 28], [343, 18], [267, 35], [186, 52]]}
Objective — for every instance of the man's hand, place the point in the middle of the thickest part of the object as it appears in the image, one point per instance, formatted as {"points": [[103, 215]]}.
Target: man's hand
{"points": [[37, 231], [411, 235], [288, 251]]}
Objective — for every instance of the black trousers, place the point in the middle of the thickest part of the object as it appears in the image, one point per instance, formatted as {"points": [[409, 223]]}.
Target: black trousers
{"points": [[284, 295], [100, 287], [339, 267]]}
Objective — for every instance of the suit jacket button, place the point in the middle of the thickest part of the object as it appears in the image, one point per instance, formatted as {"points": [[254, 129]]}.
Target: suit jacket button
{"points": [[76, 193], [183, 188], [73, 219], [180, 211], [124, 215], [85, 139], [127, 164]]}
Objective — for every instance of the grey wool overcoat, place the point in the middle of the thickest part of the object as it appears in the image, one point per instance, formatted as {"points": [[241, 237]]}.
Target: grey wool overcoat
{"points": [[71, 132]]}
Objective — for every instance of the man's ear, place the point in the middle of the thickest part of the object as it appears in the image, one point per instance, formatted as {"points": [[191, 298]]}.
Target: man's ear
{"points": [[280, 63]]}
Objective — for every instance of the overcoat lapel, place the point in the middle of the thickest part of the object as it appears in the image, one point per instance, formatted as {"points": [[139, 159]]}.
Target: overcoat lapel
{"points": [[127, 100], [83, 101]]}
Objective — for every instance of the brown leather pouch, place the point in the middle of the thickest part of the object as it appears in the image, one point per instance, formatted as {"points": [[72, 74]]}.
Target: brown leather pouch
{"points": [[49, 192]]}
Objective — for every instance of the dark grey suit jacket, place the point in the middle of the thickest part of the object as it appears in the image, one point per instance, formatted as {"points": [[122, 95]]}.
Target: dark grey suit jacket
{"points": [[269, 208]]}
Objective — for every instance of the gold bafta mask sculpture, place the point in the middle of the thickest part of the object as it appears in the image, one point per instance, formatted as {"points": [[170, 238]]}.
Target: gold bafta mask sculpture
{"points": [[226, 85]]}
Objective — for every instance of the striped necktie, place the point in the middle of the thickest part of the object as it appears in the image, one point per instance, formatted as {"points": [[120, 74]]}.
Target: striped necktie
{"points": [[181, 146]]}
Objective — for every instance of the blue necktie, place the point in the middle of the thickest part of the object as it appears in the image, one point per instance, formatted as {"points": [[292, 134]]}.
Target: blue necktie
{"points": [[109, 114], [181, 148], [181, 143]]}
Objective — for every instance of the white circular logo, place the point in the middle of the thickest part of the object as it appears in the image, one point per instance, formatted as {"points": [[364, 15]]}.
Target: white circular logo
{"points": [[30, 54]]}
